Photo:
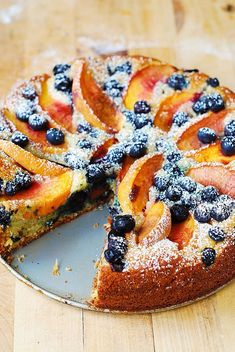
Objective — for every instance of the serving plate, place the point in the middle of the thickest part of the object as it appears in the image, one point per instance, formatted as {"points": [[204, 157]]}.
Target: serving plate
{"points": [[76, 246]]}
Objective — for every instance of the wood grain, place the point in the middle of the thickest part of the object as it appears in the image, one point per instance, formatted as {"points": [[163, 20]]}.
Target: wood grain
{"points": [[36, 34]]}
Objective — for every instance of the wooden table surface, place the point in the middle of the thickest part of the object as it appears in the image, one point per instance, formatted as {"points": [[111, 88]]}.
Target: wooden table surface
{"points": [[34, 35]]}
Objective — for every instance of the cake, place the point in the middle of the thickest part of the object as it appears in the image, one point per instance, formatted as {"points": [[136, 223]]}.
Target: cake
{"points": [[154, 142]]}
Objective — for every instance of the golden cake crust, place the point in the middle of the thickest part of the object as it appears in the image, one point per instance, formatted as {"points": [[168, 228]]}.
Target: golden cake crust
{"points": [[147, 289]]}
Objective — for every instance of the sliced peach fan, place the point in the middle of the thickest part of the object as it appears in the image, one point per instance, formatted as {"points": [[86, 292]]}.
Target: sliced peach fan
{"points": [[59, 111], [143, 81], [91, 102], [188, 139], [30, 162], [157, 224], [210, 153], [219, 176], [134, 188]]}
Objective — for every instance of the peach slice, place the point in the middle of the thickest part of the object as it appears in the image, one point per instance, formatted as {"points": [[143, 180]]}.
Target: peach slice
{"points": [[90, 100], [102, 149], [219, 176], [188, 139], [210, 153], [128, 161], [59, 110], [164, 115], [46, 196], [35, 136], [143, 81], [183, 232], [133, 189], [30, 162], [169, 106], [157, 224]]}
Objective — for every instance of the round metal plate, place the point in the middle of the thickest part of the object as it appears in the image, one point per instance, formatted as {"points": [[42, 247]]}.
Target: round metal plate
{"points": [[76, 246]]}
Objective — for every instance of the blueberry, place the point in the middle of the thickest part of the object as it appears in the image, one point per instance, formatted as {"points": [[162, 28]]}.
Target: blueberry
{"points": [[117, 247], [112, 256], [172, 169], [113, 234], [84, 127], [216, 234], [137, 150], [188, 184], [208, 256], [179, 213], [142, 120], [229, 129], [74, 203], [10, 188], [95, 173], [209, 194], [118, 244], [84, 144], [161, 182], [113, 210], [188, 200], [216, 103], [113, 88], [60, 68], [177, 81], [201, 106], [206, 135], [142, 107], [5, 216], [29, 92], [213, 82], [202, 213], [173, 156], [130, 116], [38, 122], [228, 145], [161, 196], [123, 223], [63, 83], [224, 198], [55, 136], [126, 67], [24, 110], [20, 139], [73, 161], [180, 118], [213, 102], [115, 156], [118, 266], [220, 212], [173, 193], [22, 180], [140, 137]]}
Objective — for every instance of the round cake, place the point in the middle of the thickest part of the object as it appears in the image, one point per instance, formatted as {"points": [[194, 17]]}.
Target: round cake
{"points": [[154, 142]]}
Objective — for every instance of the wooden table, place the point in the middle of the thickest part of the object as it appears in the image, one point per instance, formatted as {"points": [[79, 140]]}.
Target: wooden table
{"points": [[34, 35]]}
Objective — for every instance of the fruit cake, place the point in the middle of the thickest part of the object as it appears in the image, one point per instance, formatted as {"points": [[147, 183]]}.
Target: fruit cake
{"points": [[156, 143]]}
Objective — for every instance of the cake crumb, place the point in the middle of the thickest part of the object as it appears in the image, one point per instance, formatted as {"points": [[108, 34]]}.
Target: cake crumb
{"points": [[96, 264], [96, 225], [21, 258], [56, 268]]}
